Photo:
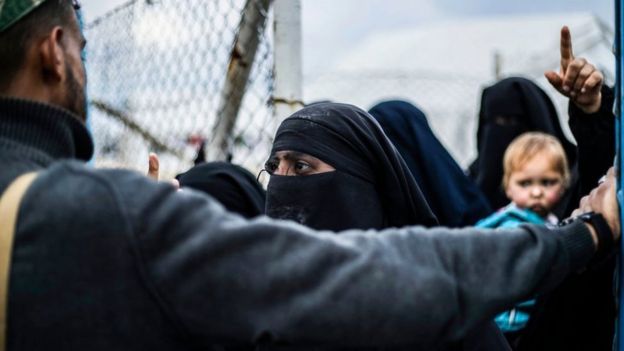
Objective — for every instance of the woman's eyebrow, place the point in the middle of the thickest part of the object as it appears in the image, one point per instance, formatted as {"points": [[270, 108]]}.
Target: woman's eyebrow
{"points": [[291, 155]]}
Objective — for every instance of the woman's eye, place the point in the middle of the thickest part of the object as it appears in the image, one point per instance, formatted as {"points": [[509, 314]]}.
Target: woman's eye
{"points": [[301, 166]]}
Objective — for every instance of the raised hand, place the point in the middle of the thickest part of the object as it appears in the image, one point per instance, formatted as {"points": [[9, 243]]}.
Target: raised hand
{"points": [[577, 79], [153, 170], [153, 166]]}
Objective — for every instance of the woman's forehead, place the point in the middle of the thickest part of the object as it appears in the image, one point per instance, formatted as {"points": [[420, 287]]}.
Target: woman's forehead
{"points": [[288, 153], [292, 154]]}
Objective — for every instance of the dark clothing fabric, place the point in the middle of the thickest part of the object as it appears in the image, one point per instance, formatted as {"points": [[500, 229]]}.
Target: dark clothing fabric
{"points": [[454, 198], [564, 321], [330, 201], [201, 154], [232, 185], [351, 141], [595, 137], [347, 198], [509, 108], [487, 337], [110, 260]]}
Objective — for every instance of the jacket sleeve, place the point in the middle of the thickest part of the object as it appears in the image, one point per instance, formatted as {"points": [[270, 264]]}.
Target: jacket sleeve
{"points": [[226, 280], [595, 137]]}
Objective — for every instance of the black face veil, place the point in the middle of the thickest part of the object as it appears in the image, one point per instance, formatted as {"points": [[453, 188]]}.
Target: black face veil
{"points": [[371, 187]]}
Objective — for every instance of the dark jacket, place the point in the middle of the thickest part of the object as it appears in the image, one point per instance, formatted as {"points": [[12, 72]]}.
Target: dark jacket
{"points": [[562, 321], [109, 260]]}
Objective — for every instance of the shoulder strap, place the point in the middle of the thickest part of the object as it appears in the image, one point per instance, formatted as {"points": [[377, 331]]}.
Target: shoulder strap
{"points": [[9, 206]]}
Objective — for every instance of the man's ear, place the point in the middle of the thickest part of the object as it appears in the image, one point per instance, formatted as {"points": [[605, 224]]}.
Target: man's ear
{"points": [[52, 57]]}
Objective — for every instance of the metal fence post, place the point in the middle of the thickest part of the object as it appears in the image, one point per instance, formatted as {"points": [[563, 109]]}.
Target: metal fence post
{"points": [[618, 164], [287, 96], [252, 24]]}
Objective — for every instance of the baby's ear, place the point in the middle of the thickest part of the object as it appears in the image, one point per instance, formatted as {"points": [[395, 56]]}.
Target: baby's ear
{"points": [[505, 187]]}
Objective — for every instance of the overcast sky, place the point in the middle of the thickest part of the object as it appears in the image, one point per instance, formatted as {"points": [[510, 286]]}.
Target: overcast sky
{"points": [[332, 27]]}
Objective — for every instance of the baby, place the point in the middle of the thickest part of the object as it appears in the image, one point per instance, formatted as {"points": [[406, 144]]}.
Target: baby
{"points": [[535, 177]]}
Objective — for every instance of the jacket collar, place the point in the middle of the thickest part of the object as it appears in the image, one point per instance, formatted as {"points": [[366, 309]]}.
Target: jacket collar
{"points": [[44, 132]]}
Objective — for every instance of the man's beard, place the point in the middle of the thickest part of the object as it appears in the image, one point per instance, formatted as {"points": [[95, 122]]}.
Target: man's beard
{"points": [[76, 100]]}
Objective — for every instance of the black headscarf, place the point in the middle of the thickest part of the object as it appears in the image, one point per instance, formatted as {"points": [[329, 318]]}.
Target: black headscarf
{"points": [[454, 198], [509, 108], [233, 186], [371, 187]]}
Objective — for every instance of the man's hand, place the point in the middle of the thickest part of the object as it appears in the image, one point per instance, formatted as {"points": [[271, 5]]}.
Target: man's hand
{"points": [[602, 200], [577, 79]]}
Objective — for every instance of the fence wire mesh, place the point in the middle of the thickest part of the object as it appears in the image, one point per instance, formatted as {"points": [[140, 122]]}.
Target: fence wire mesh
{"points": [[157, 71], [421, 65], [451, 102]]}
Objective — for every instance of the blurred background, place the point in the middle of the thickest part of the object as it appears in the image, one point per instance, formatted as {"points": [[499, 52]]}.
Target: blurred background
{"points": [[162, 73]]}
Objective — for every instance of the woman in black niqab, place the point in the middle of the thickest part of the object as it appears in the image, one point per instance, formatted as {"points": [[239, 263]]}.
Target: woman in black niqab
{"points": [[371, 186], [509, 108], [454, 198]]}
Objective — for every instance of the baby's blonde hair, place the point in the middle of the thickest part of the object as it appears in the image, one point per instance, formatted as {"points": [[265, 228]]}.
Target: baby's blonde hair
{"points": [[528, 145]]}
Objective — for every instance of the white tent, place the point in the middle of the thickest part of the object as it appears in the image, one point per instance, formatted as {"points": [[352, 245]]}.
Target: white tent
{"points": [[443, 67]]}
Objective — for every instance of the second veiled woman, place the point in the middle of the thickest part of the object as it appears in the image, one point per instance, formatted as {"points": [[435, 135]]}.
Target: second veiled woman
{"points": [[454, 198]]}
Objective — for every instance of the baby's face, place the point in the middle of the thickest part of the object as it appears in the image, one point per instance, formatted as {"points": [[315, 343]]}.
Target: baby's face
{"points": [[536, 185]]}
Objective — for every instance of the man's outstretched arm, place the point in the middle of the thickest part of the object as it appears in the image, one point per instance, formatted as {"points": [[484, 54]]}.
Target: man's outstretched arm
{"points": [[228, 280]]}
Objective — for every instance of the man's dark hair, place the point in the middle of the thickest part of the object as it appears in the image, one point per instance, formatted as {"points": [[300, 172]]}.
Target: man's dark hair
{"points": [[15, 41]]}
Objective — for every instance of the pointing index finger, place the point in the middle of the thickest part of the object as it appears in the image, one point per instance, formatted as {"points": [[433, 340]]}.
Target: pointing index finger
{"points": [[154, 166], [566, 48]]}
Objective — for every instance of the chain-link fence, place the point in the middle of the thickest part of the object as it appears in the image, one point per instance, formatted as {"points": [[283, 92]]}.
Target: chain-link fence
{"points": [[451, 97], [162, 78], [450, 102]]}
